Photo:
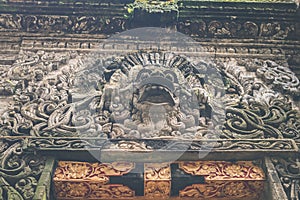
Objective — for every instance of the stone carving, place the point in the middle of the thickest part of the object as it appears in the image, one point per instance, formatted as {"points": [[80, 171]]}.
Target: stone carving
{"points": [[259, 107], [37, 90], [133, 98], [152, 6], [109, 25], [30, 69], [47, 104], [275, 30], [238, 145], [234, 29], [8, 21], [62, 24], [255, 105], [19, 172], [289, 170], [280, 77]]}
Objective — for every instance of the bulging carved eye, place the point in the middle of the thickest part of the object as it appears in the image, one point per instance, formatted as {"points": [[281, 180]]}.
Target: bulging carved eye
{"points": [[144, 76], [170, 77]]}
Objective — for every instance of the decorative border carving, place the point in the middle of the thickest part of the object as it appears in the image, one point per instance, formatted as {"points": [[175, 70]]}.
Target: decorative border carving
{"points": [[222, 180], [96, 172], [221, 145], [288, 170], [235, 29], [157, 177], [86, 190], [157, 171], [91, 180], [219, 190], [157, 189], [219, 170], [109, 25], [62, 24], [19, 171]]}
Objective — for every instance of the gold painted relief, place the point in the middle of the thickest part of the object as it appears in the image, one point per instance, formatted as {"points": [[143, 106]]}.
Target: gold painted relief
{"points": [[157, 177], [223, 181], [82, 180], [157, 171], [87, 190], [233, 190], [157, 189], [218, 170], [91, 171]]}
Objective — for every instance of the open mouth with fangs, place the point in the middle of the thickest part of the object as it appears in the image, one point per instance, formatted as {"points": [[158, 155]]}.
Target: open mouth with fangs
{"points": [[156, 90]]}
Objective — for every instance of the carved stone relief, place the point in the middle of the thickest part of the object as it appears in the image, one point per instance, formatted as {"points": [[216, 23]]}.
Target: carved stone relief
{"points": [[289, 170], [19, 171], [110, 25], [258, 100], [43, 101]]}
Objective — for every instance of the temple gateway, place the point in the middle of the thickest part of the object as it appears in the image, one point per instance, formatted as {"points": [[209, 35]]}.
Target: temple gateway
{"points": [[144, 99]]}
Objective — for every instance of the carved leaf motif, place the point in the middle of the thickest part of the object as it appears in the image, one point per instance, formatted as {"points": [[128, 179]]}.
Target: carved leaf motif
{"points": [[251, 29], [223, 170], [19, 171], [289, 173]]}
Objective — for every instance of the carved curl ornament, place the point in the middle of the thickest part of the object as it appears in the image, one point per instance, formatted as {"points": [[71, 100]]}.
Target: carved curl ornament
{"points": [[257, 101], [255, 106], [19, 172], [223, 180]]}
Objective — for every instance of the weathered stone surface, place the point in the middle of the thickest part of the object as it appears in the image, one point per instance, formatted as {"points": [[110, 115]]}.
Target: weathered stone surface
{"points": [[254, 44]]}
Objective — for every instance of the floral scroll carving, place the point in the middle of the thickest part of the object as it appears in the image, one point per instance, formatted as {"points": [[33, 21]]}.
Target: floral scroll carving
{"points": [[234, 29], [231, 189], [91, 180], [42, 100], [288, 170], [71, 190], [110, 24], [99, 172], [279, 77], [19, 171], [223, 170], [62, 24]]}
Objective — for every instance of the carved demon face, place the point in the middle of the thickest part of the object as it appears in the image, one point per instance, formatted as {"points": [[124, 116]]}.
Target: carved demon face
{"points": [[154, 98], [157, 85]]}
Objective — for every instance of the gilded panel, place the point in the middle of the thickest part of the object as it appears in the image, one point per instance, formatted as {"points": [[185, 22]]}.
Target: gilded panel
{"points": [[224, 189], [223, 170]]}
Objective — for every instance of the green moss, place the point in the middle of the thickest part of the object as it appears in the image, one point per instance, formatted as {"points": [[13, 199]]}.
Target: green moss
{"points": [[152, 6], [4, 7]]}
